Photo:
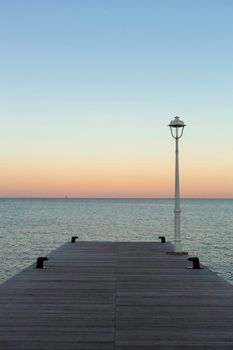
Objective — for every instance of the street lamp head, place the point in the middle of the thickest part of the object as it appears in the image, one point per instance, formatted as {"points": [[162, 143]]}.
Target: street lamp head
{"points": [[176, 124]]}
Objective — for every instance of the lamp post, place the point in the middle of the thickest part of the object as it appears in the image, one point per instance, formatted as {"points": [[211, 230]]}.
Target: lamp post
{"points": [[177, 129]]}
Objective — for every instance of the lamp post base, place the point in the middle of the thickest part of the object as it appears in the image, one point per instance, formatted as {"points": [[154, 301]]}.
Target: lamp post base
{"points": [[177, 253]]}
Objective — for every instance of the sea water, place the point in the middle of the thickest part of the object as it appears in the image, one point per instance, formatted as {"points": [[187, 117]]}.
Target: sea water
{"points": [[33, 227]]}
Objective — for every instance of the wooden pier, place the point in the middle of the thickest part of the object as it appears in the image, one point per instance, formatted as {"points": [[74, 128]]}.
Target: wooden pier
{"points": [[116, 295]]}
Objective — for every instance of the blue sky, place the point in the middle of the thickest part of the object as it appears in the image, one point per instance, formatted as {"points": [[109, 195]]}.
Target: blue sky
{"points": [[104, 78]]}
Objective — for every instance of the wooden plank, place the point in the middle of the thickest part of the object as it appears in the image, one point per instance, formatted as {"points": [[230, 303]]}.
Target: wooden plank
{"points": [[69, 304], [162, 305], [116, 295]]}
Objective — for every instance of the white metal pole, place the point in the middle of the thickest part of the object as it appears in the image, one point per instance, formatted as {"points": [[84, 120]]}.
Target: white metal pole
{"points": [[177, 211]]}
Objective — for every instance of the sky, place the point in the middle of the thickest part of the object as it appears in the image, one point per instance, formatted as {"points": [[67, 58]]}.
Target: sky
{"points": [[87, 89]]}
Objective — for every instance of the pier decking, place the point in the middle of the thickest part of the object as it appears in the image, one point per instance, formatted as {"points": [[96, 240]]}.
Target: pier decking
{"points": [[116, 295]]}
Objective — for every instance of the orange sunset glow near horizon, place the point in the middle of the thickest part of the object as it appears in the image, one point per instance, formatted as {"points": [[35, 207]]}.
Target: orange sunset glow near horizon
{"points": [[119, 178]]}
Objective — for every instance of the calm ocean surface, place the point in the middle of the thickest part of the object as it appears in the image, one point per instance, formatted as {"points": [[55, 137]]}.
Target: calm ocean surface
{"points": [[33, 227]]}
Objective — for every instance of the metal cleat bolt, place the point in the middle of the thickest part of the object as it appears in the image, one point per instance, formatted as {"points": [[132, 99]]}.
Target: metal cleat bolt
{"points": [[73, 239], [163, 240], [40, 262]]}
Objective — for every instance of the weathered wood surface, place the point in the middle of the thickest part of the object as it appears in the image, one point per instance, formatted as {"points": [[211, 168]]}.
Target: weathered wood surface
{"points": [[116, 295]]}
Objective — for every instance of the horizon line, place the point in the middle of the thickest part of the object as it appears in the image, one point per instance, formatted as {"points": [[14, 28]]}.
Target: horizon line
{"points": [[71, 197]]}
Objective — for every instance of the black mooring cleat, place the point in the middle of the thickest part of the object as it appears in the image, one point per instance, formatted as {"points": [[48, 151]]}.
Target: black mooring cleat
{"points": [[163, 240], [73, 239], [196, 263], [40, 262]]}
